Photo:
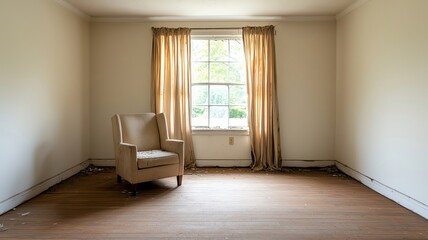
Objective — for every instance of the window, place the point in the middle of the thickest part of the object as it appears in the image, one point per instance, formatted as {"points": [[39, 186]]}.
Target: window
{"points": [[219, 94]]}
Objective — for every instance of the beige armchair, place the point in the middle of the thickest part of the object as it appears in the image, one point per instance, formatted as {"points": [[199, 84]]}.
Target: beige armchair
{"points": [[143, 149]]}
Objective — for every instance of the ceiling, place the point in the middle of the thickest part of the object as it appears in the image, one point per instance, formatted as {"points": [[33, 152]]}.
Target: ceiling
{"points": [[210, 9]]}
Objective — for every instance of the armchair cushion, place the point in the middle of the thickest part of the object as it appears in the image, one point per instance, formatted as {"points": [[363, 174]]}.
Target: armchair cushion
{"points": [[155, 158]]}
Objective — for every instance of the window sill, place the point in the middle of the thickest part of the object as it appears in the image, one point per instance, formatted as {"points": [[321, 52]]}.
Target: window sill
{"points": [[243, 132]]}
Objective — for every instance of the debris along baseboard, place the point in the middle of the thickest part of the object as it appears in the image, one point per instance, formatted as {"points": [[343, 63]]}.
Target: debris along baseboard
{"points": [[102, 162], [247, 163], [307, 163], [30, 193], [223, 162], [396, 196]]}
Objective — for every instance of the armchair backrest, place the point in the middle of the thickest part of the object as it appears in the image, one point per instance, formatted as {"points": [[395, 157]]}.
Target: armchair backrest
{"points": [[138, 129]]}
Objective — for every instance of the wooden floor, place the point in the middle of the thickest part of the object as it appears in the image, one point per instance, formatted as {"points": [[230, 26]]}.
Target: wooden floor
{"points": [[214, 203]]}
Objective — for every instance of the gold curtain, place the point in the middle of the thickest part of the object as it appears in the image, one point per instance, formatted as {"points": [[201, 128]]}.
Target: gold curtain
{"points": [[170, 76], [263, 119]]}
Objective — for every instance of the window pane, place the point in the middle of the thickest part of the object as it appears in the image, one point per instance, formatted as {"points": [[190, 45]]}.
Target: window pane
{"points": [[238, 95], [200, 95], [218, 72], [238, 116], [237, 73], [199, 72], [218, 117], [199, 50], [219, 50], [200, 116], [236, 51], [218, 95]]}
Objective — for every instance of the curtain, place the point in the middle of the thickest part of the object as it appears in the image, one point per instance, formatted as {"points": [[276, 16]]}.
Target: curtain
{"points": [[170, 76], [263, 119]]}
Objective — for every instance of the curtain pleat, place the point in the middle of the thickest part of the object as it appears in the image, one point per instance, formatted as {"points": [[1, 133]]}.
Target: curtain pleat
{"points": [[170, 76], [263, 116]]}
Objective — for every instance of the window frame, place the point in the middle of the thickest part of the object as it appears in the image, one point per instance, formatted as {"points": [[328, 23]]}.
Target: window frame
{"points": [[208, 35]]}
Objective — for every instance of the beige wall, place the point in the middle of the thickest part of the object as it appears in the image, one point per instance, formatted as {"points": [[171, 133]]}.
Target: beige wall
{"points": [[306, 66], [120, 78], [120, 72], [44, 93], [382, 100]]}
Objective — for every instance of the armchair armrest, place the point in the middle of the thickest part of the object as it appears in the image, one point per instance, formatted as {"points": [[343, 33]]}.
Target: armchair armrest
{"points": [[127, 162], [127, 145], [176, 146], [173, 145]]}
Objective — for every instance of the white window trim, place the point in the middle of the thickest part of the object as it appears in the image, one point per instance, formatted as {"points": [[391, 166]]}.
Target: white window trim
{"points": [[211, 131]]}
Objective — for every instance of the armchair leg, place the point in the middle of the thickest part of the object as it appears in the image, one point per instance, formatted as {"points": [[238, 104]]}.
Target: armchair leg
{"points": [[119, 179], [134, 190], [179, 179]]}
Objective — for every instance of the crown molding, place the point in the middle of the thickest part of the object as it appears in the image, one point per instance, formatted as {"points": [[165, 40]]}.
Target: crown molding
{"points": [[307, 18], [215, 19], [351, 8], [187, 19], [73, 9]]}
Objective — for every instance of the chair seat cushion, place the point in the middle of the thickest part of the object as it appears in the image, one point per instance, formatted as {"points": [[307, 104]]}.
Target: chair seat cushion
{"points": [[154, 158]]}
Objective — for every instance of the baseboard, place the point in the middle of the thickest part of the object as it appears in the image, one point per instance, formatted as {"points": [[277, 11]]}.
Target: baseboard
{"points": [[102, 162], [307, 163], [223, 162], [398, 197], [247, 163], [30, 193]]}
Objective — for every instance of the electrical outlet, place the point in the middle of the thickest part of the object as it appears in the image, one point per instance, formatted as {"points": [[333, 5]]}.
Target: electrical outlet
{"points": [[231, 140]]}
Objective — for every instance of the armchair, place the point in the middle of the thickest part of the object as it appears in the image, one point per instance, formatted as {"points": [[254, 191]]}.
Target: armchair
{"points": [[143, 150]]}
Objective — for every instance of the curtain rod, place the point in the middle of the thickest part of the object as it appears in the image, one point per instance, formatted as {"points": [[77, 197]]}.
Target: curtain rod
{"points": [[216, 28]]}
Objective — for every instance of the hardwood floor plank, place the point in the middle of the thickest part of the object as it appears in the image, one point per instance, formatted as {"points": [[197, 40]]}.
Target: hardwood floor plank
{"points": [[214, 203]]}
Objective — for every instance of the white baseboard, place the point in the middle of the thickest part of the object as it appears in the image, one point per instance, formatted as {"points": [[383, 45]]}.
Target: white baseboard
{"points": [[398, 197], [102, 162], [26, 195], [307, 163], [247, 163], [223, 162]]}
